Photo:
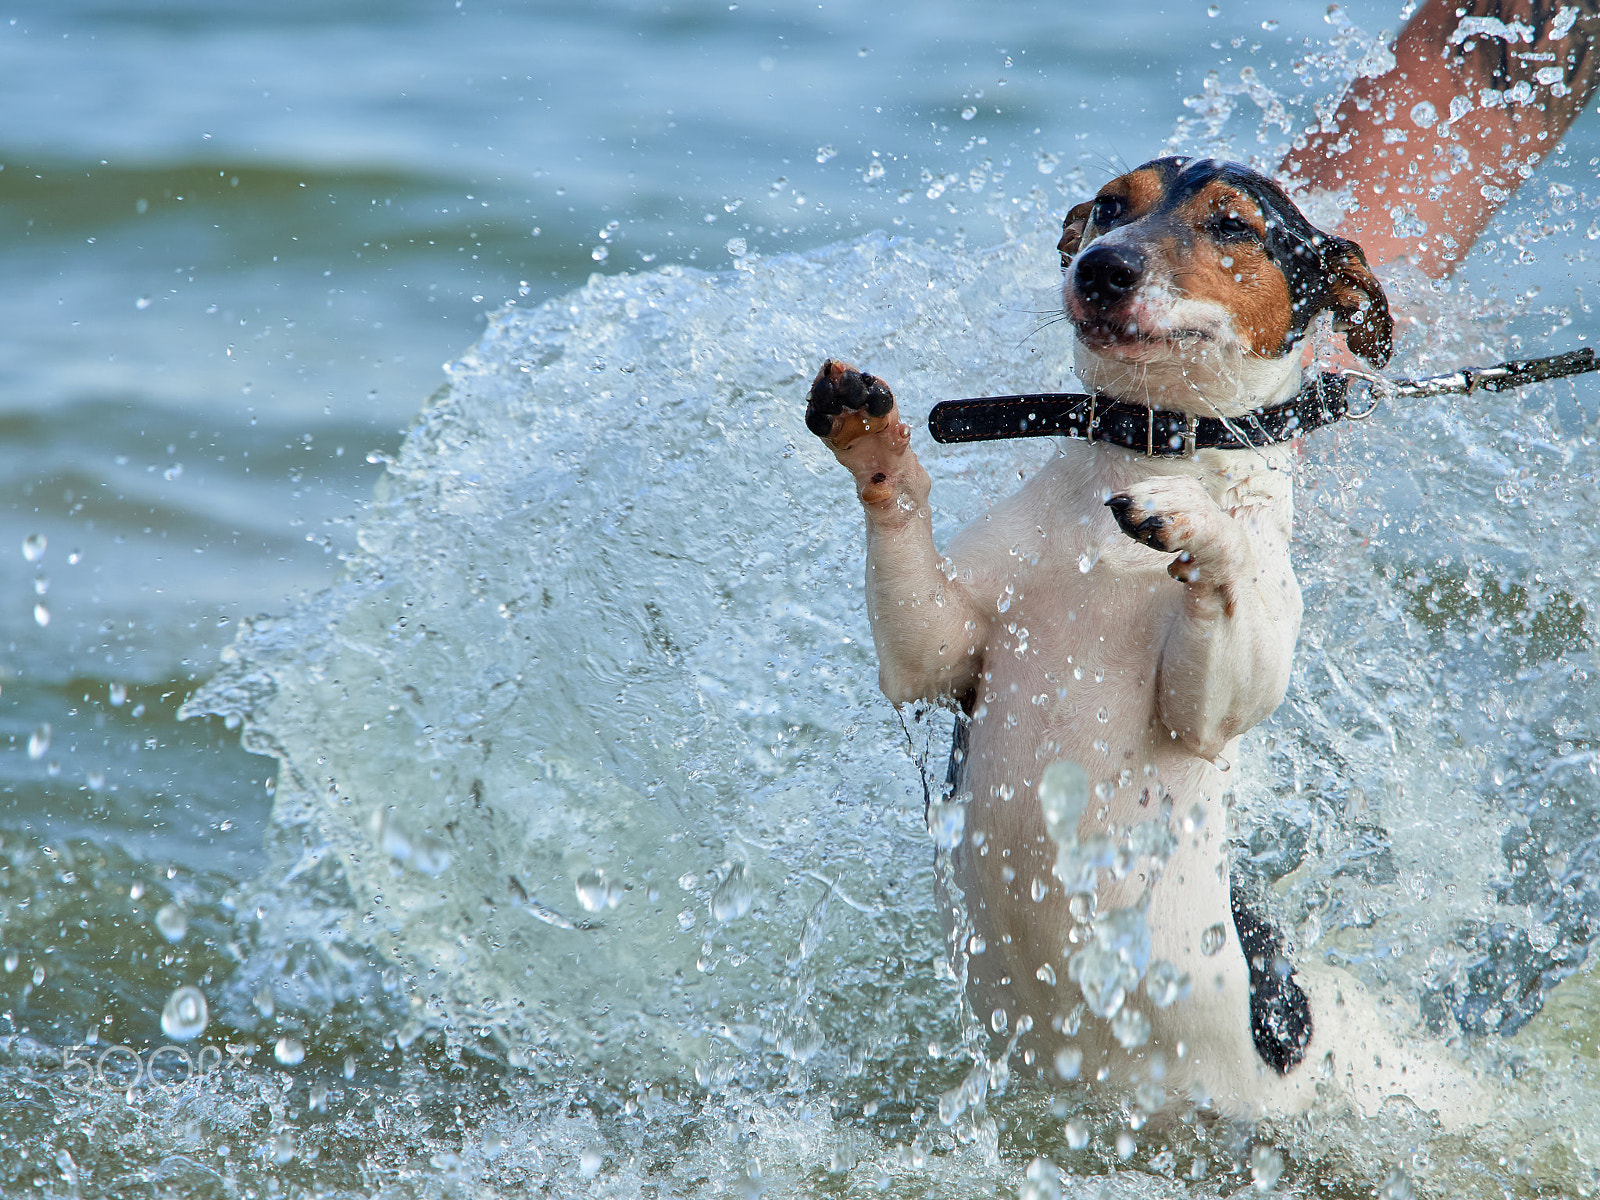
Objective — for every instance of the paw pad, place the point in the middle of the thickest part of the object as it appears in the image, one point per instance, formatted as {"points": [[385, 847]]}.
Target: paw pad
{"points": [[838, 389]]}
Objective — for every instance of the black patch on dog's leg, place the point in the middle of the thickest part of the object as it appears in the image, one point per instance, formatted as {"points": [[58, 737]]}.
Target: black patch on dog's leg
{"points": [[1280, 1014]]}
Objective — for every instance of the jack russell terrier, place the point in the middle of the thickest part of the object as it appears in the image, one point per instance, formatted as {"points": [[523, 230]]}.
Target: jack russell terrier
{"points": [[1132, 611]]}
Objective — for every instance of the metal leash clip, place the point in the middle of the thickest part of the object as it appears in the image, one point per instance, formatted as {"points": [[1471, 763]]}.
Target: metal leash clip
{"points": [[1377, 387]]}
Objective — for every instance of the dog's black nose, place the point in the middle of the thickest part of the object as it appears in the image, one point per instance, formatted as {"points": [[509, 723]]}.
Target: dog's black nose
{"points": [[1107, 274]]}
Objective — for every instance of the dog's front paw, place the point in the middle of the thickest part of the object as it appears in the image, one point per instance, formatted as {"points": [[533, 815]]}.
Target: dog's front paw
{"points": [[846, 404], [1172, 515], [1151, 528], [855, 416]]}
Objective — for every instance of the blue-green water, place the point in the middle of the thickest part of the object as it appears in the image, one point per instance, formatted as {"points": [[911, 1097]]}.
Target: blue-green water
{"points": [[239, 242]]}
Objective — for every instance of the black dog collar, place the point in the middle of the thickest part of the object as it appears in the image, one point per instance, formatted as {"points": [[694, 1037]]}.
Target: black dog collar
{"points": [[1161, 433], [1157, 432]]}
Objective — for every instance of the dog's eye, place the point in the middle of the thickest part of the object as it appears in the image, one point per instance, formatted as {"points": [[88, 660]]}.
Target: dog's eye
{"points": [[1108, 209], [1230, 227]]}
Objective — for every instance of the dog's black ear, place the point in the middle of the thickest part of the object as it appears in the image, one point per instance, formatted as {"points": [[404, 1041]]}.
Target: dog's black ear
{"points": [[1360, 309], [1072, 229]]}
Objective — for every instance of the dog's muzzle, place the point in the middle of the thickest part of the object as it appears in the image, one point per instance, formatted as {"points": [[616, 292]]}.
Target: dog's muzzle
{"points": [[1105, 276]]}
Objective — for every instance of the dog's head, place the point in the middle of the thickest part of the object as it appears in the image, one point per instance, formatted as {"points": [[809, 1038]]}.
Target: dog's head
{"points": [[1194, 280]]}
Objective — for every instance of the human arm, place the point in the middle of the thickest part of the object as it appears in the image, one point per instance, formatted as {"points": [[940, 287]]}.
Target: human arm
{"points": [[1504, 79]]}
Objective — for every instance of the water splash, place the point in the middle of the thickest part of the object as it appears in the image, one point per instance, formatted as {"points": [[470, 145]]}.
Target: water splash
{"points": [[563, 656]]}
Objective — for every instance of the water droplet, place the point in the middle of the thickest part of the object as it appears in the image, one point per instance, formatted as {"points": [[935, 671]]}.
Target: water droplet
{"points": [[1069, 1061], [33, 547], [1087, 560], [826, 153], [1397, 1187], [874, 172], [734, 896], [1040, 889], [738, 247], [589, 1163], [1213, 939], [1131, 1028], [947, 822], [289, 1051], [142, 302], [968, 113], [997, 1020], [172, 922], [136, 890], [686, 919], [1165, 984], [349, 1066], [1125, 1145], [600, 254], [1266, 1167], [591, 889], [12, 959], [41, 615], [1046, 974], [1077, 1133], [283, 1147], [429, 856], [1269, 25], [1150, 1097], [185, 1015], [317, 1098], [1103, 715], [1063, 795], [1212, 10], [1424, 115], [39, 742]]}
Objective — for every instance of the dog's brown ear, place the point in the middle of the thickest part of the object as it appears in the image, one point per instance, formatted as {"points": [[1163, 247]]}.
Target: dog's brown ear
{"points": [[1360, 309], [1072, 229]]}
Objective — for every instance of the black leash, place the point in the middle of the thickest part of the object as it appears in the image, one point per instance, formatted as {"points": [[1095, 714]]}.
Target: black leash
{"points": [[1162, 433]]}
